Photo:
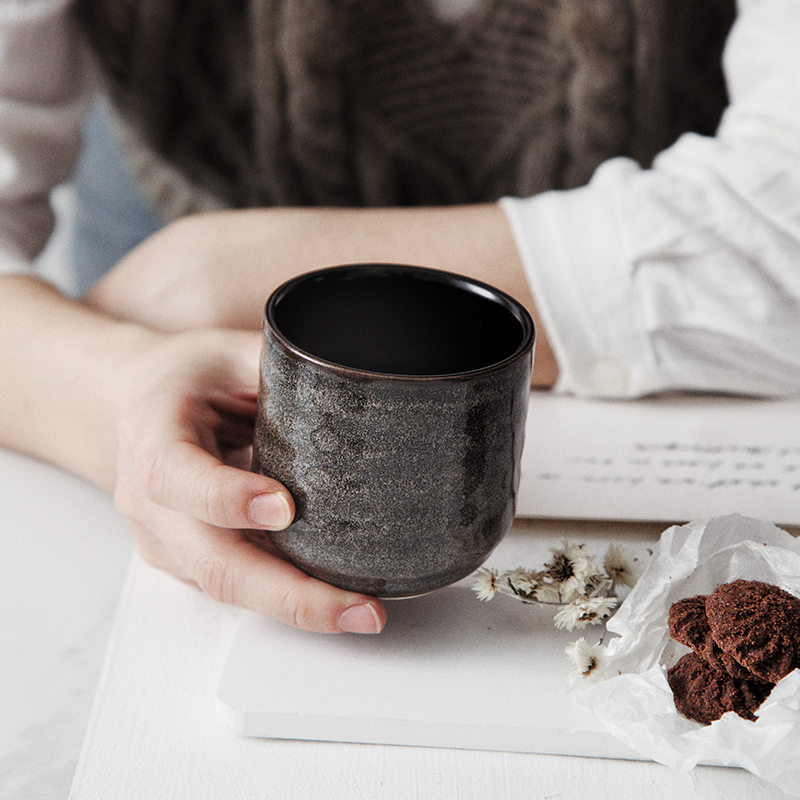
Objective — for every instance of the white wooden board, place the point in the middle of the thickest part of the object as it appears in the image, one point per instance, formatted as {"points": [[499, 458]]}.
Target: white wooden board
{"points": [[448, 671]]}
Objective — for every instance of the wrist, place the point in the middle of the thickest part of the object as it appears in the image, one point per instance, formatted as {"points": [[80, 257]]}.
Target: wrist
{"points": [[64, 378]]}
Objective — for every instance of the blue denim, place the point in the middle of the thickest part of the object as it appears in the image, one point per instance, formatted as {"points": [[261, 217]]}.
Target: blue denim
{"points": [[111, 215]]}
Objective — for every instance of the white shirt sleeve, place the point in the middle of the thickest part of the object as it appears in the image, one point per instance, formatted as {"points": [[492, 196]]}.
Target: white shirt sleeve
{"points": [[46, 81], [685, 275]]}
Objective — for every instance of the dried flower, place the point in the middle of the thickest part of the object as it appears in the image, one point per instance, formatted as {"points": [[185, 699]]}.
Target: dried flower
{"points": [[589, 660], [597, 584], [549, 595], [583, 611], [621, 565], [583, 594], [523, 583], [568, 569], [485, 584]]}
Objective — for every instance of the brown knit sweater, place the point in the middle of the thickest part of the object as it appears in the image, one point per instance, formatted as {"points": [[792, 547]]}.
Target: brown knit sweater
{"points": [[233, 103]]}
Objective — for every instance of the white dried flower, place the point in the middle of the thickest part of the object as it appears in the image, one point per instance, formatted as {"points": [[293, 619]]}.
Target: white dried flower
{"points": [[485, 583], [590, 662], [621, 565], [583, 611], [597, 584], [569, 569], [522, 583], [547, 593], [582, 594]]}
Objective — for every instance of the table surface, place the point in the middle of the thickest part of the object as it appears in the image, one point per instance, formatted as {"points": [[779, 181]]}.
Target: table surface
{"points": [[154, 732], [64, 552]]}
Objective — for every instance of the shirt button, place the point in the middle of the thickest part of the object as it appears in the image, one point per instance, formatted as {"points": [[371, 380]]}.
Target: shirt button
{"points": [[610, 377]]}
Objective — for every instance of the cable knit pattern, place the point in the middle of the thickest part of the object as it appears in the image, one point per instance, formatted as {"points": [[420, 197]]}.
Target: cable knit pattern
{"points": [[233, 103]]}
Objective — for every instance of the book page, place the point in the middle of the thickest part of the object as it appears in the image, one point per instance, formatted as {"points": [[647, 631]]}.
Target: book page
{"points": [[667, 459]]}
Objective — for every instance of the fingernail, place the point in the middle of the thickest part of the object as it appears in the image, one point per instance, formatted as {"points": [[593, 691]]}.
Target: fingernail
{"points": [[270, 511], [360, 619]]}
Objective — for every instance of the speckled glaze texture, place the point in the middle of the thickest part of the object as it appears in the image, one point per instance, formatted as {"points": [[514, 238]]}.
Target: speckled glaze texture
{"points": [[402, 484]]}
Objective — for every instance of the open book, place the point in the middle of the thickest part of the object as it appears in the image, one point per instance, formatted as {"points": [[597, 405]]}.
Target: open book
{"points": [[667, 459]]}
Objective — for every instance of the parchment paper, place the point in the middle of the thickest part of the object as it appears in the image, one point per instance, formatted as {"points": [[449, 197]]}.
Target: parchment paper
{"points": [[636, 704]]}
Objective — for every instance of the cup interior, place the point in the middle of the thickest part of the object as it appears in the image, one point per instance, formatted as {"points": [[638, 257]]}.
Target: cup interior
{"points": [[399, 320]]}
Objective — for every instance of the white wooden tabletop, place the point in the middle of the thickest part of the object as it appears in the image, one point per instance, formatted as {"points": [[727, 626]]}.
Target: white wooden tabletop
{"points": [[64, 552], [153, 730]]}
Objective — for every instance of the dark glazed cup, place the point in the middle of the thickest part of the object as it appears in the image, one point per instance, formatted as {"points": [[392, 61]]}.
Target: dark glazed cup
{"points": [[392, 406]]}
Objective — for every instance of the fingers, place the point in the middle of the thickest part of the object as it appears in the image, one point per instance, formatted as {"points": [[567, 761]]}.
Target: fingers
{"points": [[235, 571], [174, 436], [186, 478], [231, 570], [187, 507]]}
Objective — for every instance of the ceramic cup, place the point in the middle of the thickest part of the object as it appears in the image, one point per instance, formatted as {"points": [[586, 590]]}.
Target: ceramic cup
{"points": [[392, 406]]}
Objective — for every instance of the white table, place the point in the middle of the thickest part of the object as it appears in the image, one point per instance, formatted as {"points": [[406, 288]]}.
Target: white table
{"points": [[63, 556], [154, 732]]}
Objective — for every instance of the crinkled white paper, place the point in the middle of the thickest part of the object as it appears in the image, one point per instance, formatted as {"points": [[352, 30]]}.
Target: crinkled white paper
{"points": [[636, 704]]}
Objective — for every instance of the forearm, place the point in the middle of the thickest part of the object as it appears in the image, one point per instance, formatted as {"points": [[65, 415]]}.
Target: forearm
{"points": [[218, 269], [470, 240], [61, 378]]}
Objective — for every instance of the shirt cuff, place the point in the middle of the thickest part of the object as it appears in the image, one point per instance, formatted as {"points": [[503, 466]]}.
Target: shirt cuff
{"points": [[584, 290]]}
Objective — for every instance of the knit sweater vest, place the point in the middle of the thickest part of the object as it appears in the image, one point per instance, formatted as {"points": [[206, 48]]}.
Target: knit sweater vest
{"points": [[237, 103]]}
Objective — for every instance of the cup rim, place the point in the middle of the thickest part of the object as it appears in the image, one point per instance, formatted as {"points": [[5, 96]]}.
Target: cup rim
{"points": [[427, 273]]}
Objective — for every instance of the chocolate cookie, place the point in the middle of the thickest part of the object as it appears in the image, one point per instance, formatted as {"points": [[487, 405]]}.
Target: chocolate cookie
{"points": [[688, 624], [758, 624], [704, 694]]}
